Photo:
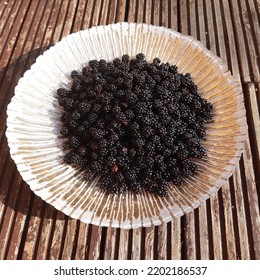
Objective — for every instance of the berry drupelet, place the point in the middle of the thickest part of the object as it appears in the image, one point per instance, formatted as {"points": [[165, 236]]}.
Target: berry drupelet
{"points": [[138, 124]]}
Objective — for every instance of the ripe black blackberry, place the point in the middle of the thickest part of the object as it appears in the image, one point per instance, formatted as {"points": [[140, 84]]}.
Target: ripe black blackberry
{"points": [[135, 123]]}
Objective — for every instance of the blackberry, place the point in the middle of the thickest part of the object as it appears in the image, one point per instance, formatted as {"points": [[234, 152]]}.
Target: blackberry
{"points": [[75, 115], [116, 62], [84, 107], [93, 64], [140, 56], [68, 104], [64, 131], [75, 74], [120, 117], [62, 92], [137, 124], [156, 61], [92, 117], [74, 142], [131, 98], [72, 124], [125, 58]]}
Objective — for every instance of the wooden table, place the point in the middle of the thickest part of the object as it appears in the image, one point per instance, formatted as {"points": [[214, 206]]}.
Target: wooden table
{"points": [[227, 226]]}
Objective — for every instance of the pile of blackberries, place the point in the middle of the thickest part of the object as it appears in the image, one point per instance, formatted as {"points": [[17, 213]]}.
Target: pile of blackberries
{"points": [[137, 124]]}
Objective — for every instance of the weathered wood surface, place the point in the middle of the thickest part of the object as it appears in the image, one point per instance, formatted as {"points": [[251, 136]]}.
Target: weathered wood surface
{"points": [[227, 226]]}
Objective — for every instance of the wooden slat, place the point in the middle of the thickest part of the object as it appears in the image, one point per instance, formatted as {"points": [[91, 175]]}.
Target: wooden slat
{"points": [[88, 14], [183, 28], [229, 233], [165, 13], [156, 12], [162, 242], [201, 22], [215, 219], [8, 22], [110, 246], [219, 30], [78, 19], [173, 11], [6, 11], [254, 118], [82, 242], [9, 214], [252, 52], [241, 217], [48, 38], [29, 247], [133, 11], [210, 24], [70, 239], [255, 20], [253, 199], [93, 248], [148, 12], [240, 42], [67, 25], [176, 239], [4, 190], [231, 41], [136, 244], [44, 237], [112, 11], [203, 232], [21, 210], [190, 243], [96, 13], [105, 12], [58, 230], [121, 10], [149, 243], [123, 244]]}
